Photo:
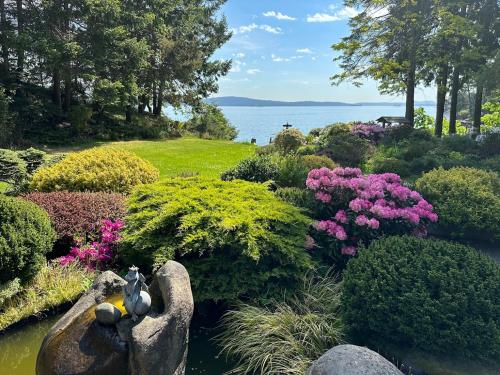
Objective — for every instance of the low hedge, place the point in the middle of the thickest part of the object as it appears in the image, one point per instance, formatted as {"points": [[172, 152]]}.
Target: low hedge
{"points": [[26, 235], [78, 215], [432, 295]]}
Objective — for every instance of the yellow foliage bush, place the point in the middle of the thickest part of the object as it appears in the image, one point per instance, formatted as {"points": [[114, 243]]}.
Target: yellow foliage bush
{"points": [[97, 169]]}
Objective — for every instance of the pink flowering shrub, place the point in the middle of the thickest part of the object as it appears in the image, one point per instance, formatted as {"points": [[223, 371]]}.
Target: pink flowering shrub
{"points": [[96, 253], [373, 133], [363, 208]]}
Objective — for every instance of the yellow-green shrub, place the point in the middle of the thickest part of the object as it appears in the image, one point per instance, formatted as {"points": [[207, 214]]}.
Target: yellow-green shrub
{"points": [[96, 169]]}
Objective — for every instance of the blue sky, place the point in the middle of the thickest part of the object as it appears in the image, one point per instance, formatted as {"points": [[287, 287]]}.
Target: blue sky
{"points": [[281, 50]]}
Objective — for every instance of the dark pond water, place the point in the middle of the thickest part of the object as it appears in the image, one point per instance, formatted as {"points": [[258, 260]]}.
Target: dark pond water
{"points": [[19, 348]]}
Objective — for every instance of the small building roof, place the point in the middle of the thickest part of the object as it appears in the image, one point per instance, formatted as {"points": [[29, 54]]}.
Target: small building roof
{"points": [[393, 119]]}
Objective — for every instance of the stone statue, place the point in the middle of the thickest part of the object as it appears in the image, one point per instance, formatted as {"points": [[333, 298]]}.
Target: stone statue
{"points": [[137, 300]]}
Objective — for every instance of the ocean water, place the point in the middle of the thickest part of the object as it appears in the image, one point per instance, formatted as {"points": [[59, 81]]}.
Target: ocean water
{"points": [[262, 123]]}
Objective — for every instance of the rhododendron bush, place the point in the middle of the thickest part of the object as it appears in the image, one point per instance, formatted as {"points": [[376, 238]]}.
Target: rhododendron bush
{"points": [[373, 133], [363, 208], [97, 253]]}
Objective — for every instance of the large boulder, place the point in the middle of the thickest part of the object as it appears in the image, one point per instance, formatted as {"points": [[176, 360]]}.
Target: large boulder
{"points": [[352, 360], [77, 344], [156, 343]]}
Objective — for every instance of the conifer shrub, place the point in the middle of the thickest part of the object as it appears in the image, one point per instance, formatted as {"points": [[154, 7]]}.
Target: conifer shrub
{"points": [[235, 238], [467, 201], [26, 235], [427, 294], [34, 158], [13, 169], [97, 169]]}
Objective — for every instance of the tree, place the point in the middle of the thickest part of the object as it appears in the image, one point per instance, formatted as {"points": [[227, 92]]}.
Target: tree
{"points": [[387, 43]]}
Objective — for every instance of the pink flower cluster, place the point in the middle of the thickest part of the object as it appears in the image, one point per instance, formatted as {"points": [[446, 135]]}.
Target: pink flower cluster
{"points": [[97, 252], [366, 207], [373, 133]]}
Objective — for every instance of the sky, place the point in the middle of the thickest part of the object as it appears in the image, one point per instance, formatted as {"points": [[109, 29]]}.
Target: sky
{"points": [[281, 50]]}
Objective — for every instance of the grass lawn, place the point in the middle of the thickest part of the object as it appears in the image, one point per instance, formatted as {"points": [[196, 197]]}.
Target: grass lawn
{"points": [[189, 154]]}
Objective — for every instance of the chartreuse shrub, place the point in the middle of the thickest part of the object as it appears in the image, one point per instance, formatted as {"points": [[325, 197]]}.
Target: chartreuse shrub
{"points": [[432, 295], [467, 201], [96, 169], [285, 337], [26, 235], [235, 238]]}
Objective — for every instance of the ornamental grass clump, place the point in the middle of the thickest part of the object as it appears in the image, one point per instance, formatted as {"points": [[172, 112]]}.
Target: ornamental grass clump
{"points": [[362, 208], [235, 238], [98, 169], [285, 337]]}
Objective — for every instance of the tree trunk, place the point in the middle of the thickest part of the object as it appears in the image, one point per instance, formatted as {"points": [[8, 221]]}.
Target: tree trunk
{"points": [[56, 88], [410, 89], [159, 103], [128, 113], [155, 96], [454, 101], [67, 89], [442, 82], [478, 106], [20, 50], [4, 68]]}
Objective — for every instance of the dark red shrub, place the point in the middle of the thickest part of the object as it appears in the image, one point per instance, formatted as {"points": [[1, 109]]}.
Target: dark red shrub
{"points": [[77, 217]]}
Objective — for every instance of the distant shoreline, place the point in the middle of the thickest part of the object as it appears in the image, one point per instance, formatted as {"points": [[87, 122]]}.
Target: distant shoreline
{"points": [[235, 101]]}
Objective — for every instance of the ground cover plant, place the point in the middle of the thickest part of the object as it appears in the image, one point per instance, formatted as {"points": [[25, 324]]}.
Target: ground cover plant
{"points": [[285, 336], [426, 294], [235, 238], [467, 201], [97, 169], [26, 235]]}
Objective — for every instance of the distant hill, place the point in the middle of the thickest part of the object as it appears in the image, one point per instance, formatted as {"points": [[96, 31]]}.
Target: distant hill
{"points": [[238, 101]]}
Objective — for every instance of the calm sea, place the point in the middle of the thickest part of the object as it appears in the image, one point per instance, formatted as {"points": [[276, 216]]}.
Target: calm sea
{"points": [[263, 123]]}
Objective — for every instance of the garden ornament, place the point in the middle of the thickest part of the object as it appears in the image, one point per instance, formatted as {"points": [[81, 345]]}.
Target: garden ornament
{"points": [[137, 300]]}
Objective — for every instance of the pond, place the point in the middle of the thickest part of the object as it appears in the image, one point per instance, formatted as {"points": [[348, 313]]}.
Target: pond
{"points": [[19, 349]]}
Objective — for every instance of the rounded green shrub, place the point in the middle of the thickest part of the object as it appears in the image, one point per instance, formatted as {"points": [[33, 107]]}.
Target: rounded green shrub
{"points": [[289, 140], [26, 235], [386, 164], [235, 238], [467, 201], [343, 147], [255, 169], [318, 161], [97, 169], [432, 295]]}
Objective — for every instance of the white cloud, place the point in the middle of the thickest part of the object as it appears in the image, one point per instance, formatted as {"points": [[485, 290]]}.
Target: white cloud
{"points": [[253, 26], [304, 50], [380, 12], [278, 59], [278, 15], [239, 55], [236, 67], [253, 71], [342, 14]]}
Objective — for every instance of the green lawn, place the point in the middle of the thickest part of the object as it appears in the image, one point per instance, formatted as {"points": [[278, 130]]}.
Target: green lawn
{"points": [[171, 157]]}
